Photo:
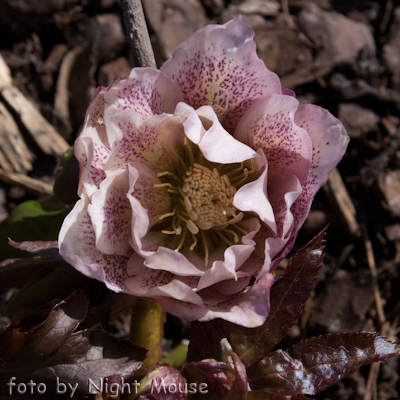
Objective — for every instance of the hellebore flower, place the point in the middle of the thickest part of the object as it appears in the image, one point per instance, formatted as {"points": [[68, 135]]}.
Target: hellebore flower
{"points": [[195, 179]]}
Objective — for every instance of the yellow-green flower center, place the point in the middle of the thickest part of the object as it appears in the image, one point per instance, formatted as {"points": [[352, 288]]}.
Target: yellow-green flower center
{"points": [[208, 199], [204, 201]]}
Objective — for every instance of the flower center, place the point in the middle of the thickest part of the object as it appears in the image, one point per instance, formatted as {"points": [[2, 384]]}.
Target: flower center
{"points": [[204, 201], [208, 199]]}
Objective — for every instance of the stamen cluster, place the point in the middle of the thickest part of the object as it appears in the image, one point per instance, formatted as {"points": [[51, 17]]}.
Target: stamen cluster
{"points": [[209, 197], [204, 201]]}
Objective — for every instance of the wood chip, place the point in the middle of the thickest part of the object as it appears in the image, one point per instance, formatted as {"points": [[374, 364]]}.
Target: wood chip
{"points": [[14, 154], [46, 137], [27, 183], [44, 134], [390, 188], [337, 193], [5, 74]]}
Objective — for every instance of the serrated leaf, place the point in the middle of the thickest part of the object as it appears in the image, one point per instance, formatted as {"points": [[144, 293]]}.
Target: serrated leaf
{"points": [[313, 365], [49, 353], [288, 297], [20, 341]]}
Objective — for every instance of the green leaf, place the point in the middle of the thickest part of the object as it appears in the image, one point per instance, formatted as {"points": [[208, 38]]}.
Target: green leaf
{"points": [[33, 220], [177, 357]]}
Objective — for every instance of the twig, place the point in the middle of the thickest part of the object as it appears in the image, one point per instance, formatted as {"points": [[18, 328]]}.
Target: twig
{"points": [[285, 6], [386, 16], [138, 35], [374, 274], [371, 387], [337, 193]]}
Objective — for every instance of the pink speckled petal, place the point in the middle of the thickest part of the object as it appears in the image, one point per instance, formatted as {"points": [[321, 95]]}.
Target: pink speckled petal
{"points": [[329, 139], [147, 202], [111, 214], [92, 147], [282, 196], [152, 241], [253, 197], [223, 270], [216, 144], [231, 287], [268, 124], [218, 66], [234, 257], [288, 92], [92, 155], [177, 290], [284, 248], [147, 91], [77, 244], [185, 310], [172, 261], [151, 141], [249, 309], [95, 114], [141, 279]]}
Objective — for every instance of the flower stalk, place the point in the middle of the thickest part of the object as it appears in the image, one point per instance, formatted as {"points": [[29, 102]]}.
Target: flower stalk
{"points": [[147, 329]]}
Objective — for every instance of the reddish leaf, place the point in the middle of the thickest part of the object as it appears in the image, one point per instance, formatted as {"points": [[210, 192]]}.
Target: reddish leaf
{"points": [[33, 299], [288, 296], [110, 305], [205, 338], [238, 379], [20, 341], [225, 379], [49, 353], [57, 283], [313, 365], [212, 374], [19, 272]]}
